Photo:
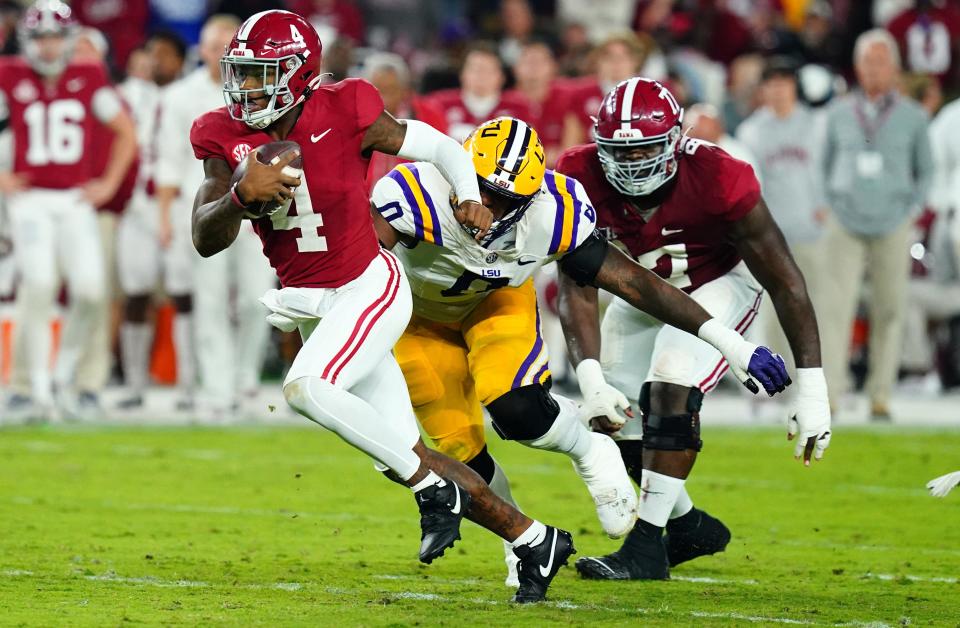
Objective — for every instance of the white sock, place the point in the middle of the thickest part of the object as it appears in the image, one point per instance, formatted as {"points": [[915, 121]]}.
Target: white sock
{"points": [[432, 479], [355, 421], [135, 348], [567, 434], [533, 535], [658, 494], [500, 485], [183, 346], [683, 504]]}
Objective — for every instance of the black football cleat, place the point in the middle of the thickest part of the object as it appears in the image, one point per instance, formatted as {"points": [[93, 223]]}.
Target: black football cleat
{"points": [[693, 535], [540, 563], [641, 557], [441, 510]]}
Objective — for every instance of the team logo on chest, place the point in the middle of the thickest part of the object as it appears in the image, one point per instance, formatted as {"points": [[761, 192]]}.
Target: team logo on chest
{"points": [[240, 152], [25, 92], [491, 258]]}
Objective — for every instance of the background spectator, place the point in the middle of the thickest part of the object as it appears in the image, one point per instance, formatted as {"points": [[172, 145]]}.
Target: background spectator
{"points": [[879, 166], [787, 139], [481, 95]]}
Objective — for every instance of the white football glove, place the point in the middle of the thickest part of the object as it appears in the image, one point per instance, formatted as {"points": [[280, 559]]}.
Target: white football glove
{"points": [[600, 399], [811, 416], [939, 487]]}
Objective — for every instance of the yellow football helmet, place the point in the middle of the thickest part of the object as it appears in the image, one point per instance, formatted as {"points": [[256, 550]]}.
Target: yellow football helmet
{"points": [[510, 163]]}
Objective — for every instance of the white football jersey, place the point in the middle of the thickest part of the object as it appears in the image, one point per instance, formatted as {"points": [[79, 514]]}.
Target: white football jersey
{"points": [[449, 271]]}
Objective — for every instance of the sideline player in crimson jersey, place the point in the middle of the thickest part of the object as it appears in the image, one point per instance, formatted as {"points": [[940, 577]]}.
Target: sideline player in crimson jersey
{"points": [[53, 107], [692, 214], [481, 96], [349, 298]]}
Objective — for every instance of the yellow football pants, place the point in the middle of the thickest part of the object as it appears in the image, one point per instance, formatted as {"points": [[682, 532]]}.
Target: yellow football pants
{"points": [[451, 368]]}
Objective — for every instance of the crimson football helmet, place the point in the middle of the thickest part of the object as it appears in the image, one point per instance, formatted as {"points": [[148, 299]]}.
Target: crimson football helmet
{"points": [[47, 19], [638, 133], [279, 52]]}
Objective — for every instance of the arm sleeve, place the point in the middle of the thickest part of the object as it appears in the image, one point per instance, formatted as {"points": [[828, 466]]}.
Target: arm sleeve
{"points": [[422, 142], [388, 199], [106, 104]]}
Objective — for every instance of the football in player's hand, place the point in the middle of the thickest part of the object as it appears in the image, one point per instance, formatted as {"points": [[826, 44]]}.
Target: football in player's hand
{"points": [[269, 154]]}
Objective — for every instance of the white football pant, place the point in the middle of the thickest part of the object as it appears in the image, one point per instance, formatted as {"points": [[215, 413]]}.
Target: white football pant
{"points": [[55, 233]]}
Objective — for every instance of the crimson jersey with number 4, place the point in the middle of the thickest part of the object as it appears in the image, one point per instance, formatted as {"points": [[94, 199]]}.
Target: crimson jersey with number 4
{"points": [[685, 240], [326, 238], [53, 123]]}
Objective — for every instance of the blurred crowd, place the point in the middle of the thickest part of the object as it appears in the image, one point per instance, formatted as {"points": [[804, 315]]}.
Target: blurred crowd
{"points": [[838, 105]]}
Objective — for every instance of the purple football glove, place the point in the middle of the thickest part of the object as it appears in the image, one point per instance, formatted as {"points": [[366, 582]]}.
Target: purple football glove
{"points": [[768, 368]]}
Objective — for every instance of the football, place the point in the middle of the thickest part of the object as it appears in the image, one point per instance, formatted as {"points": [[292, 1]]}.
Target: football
{"points": [[270, 154]]}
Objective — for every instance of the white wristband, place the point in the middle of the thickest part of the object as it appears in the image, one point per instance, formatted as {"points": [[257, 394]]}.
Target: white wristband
{"points": [[422, 142], [811, 383], [734, 348], [589, 375]]}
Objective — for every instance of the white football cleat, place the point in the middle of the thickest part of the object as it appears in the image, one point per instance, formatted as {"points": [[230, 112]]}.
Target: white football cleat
{"points": [[939, 487], [610, 486], [512, 560]]}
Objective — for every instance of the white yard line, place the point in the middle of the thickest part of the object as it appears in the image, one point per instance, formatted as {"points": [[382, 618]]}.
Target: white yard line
{"points": [[910, 577]]}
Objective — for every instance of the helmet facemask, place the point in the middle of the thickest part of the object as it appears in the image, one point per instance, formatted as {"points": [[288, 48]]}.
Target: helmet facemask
{"points": [[516, 204], [643, 176], [273, 76]]}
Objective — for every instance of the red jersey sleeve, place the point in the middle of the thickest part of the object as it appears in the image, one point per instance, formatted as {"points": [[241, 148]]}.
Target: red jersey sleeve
{"points": [[203, 138], [741, 190], [369, 103], [728, 186]]}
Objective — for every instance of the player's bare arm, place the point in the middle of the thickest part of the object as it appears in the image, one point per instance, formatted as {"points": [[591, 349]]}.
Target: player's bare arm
{"points": [[217, 211], [389, 135], [761, 245], [124, 149]]}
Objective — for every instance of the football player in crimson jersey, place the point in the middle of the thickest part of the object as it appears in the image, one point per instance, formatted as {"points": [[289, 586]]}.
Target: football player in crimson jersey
{"points": [[53, 107], [475, 336], [349, 298], [692, 214]]}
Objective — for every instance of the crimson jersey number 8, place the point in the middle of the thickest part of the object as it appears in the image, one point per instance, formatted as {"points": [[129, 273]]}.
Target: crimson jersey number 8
{"points": [[55, 132]]}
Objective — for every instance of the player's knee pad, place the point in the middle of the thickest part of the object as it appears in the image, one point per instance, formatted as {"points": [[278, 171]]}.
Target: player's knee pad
{"points": [[483, 464], [524, 413], [675, 432], [463, 443]]}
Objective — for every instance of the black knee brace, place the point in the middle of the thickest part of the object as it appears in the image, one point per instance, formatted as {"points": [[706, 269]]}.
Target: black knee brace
{"points": [[524, 413], [483, 464], [675, 432]]}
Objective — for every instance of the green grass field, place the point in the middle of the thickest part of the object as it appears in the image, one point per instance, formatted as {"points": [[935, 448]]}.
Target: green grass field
{"points": [[288, 526]]}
